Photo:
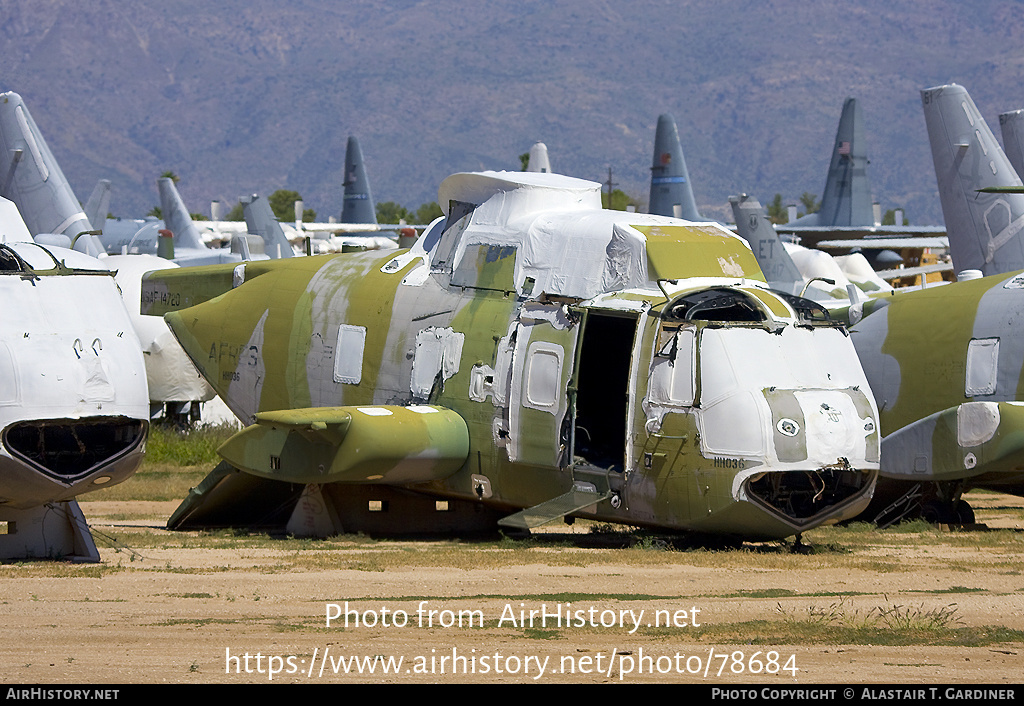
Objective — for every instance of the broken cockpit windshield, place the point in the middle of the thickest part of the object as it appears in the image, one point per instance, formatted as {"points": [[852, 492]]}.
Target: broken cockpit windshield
{"points": [[715, 305], [735, 306]]}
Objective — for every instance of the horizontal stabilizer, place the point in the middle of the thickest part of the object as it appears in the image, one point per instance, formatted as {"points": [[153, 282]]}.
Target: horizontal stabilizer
{"points": [[961, 442], [381, 444], [576, 499], [914, 271]]}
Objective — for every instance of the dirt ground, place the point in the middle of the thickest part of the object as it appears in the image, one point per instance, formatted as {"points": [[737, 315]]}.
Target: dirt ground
{"points": [[192, 609]]}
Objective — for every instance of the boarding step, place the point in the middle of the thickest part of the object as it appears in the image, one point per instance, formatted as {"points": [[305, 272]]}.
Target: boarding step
{"points": [[581, 496]]}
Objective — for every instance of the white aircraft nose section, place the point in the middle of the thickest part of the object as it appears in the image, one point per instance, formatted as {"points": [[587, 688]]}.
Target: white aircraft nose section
{"points": [[73, 403]]}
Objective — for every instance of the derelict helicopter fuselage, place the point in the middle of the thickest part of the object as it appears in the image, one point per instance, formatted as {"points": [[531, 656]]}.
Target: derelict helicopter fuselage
{"points": [[534, 357]]}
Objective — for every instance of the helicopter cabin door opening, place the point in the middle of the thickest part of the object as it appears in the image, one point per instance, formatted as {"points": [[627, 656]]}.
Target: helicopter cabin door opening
{"points": [[602, 397]]}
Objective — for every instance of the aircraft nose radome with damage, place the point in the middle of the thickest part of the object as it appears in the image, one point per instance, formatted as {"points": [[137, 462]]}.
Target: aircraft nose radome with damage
{"points": [[533, 357], [73, 403]]}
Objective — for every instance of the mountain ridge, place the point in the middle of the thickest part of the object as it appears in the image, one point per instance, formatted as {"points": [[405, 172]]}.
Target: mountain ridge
{"points": [[251, 97]]}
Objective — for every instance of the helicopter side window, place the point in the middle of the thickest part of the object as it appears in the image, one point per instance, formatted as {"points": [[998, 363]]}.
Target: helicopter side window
{"points": [[543, 376], [348, 356], [672, 373], [982, 366]]}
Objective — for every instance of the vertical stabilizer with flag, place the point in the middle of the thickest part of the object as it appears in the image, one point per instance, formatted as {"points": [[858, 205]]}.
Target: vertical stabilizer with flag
{"points": [[846, 200], [671, 193]]}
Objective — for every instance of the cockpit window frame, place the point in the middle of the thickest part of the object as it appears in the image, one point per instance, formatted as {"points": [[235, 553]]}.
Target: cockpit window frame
{"points": [[688, 307]]}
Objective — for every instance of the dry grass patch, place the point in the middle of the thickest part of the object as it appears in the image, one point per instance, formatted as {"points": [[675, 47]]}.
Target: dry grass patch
{"points": [[154, 481]]}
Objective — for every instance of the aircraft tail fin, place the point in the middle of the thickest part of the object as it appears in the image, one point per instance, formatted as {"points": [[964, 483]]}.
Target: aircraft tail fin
{"points": [[358, 206], [983, 228], [1012, 126], [751, 224], [671, 193], [539, 161], [846, 200], [260, 221], [177, 217], [32, 179], [98, 205]]}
